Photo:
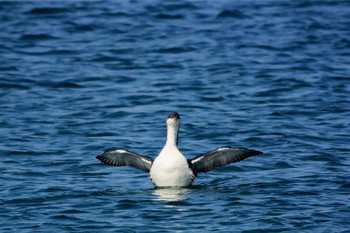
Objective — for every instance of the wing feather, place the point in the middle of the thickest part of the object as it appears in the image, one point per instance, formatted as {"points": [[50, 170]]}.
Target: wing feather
{"points": [[220, 157], [119, 157]]}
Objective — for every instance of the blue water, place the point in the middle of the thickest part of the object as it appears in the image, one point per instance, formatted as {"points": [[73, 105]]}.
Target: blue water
{"points": [[78, 77]]}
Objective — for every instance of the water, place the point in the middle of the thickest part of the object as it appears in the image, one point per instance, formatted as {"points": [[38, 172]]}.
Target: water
{"points": [[78, 77]]}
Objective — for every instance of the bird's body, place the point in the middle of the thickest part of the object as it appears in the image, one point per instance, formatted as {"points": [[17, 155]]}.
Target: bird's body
{"points": [[171, 168]]}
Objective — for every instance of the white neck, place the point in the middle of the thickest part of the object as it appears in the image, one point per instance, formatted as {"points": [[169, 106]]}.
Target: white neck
{"points": [[172, 132]]}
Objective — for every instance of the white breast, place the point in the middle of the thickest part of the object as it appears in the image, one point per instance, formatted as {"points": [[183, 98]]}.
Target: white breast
{"points": [[171, 169]]}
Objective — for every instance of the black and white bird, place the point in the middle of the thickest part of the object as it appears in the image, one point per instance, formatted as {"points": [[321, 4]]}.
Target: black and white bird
{"points": [[170, 168]]}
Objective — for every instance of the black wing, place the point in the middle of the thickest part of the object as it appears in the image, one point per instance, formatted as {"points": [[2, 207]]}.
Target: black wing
{"points": [[119, 157], [220, 157]]}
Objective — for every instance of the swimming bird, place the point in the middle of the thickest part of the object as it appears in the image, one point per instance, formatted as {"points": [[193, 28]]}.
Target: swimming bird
{"points": [[170, 168]]}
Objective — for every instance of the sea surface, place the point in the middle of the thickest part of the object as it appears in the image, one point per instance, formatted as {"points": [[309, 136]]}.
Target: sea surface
{"points": [[78, 77]]}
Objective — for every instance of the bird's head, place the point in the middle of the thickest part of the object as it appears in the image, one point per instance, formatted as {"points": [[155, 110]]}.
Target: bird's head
{"points": [[173, 119]]}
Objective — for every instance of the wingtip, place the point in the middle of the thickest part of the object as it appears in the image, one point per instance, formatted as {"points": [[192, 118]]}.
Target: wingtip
{"points": [[255, 152], [259, 152], [101, 157]]}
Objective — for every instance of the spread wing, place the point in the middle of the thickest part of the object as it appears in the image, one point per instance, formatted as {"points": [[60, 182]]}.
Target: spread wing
{"points": [[220, 157], [119, 157]]}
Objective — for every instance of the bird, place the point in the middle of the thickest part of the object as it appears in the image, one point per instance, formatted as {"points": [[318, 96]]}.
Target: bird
{"points": [[171, 168]]}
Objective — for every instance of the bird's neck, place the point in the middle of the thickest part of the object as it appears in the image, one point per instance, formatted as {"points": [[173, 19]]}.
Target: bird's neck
{"points": [[172, 135]]}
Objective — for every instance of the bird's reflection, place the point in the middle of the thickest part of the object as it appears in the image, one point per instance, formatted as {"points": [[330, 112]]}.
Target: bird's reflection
{"points": [[171, 194]]}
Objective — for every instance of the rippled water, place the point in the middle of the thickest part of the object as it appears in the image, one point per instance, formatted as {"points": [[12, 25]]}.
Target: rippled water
{"points": [[77, 77]]}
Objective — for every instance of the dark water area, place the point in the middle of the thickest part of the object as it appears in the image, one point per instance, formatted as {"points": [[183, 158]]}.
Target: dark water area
{"points": [[78, 77]]}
